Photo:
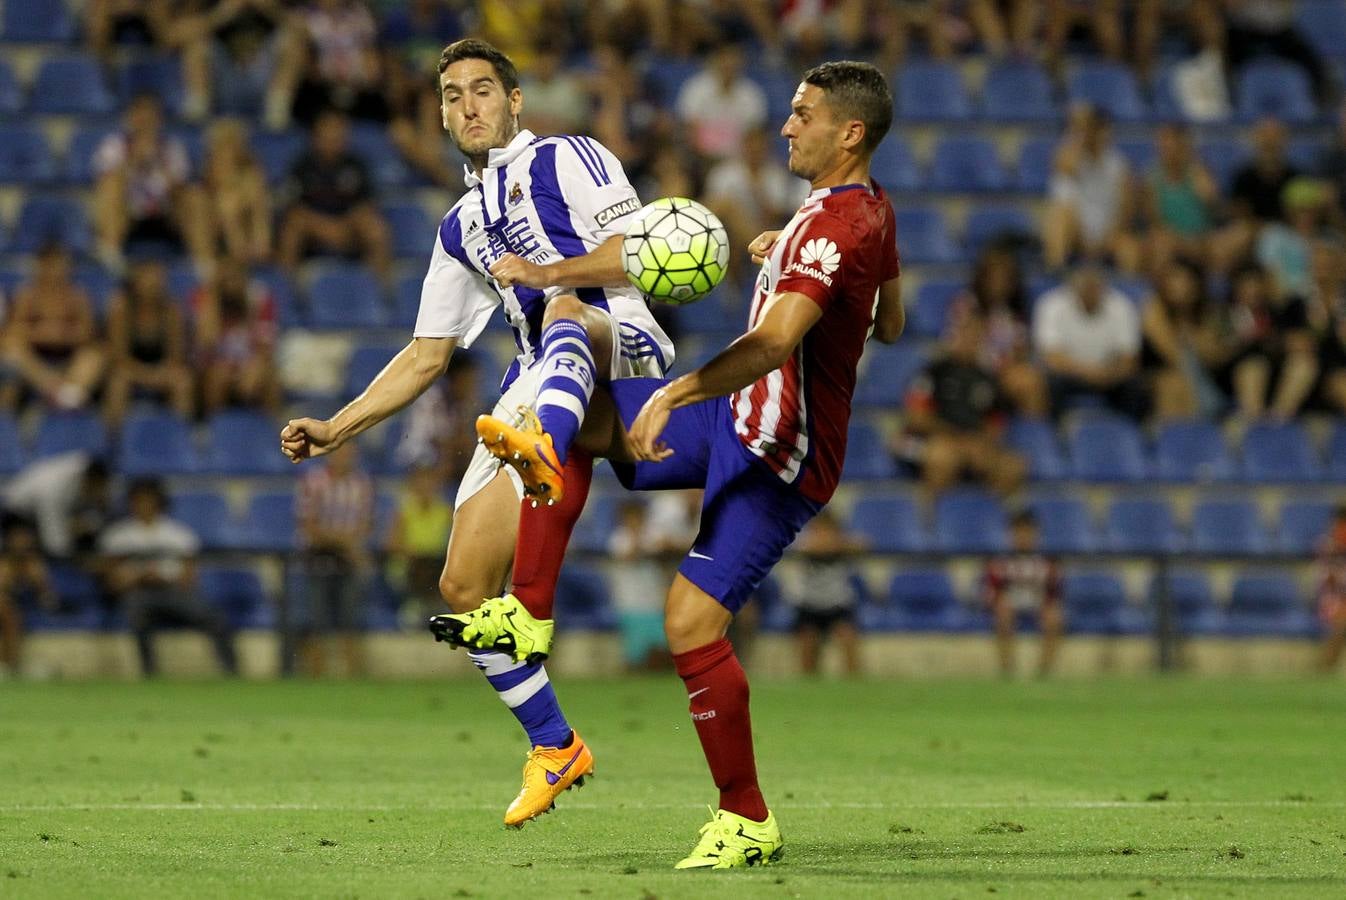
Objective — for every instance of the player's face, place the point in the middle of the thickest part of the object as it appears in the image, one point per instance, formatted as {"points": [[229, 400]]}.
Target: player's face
{"points": [[813, 134], [478, 113]]}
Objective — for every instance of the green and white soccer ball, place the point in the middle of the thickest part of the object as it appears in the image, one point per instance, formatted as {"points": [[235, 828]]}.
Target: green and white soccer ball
{"points": [[675, 250]]}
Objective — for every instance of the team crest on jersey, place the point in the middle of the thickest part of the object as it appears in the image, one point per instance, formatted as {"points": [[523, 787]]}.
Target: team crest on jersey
{"points": [[818, 258], [515, 194]]}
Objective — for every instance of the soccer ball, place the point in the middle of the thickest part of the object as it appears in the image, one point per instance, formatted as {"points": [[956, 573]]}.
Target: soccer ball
{"points": [[675, 250]]}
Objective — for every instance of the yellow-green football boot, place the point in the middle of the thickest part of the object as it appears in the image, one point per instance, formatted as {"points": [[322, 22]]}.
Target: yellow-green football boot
{"points": [[501, 624]]}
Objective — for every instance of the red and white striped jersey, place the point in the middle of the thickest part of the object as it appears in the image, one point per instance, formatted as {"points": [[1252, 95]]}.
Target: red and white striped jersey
{"points": [[837, 250]]}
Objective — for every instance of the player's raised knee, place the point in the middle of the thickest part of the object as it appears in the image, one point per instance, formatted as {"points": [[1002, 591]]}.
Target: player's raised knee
{"points": [[564, 306], [461, 596]]}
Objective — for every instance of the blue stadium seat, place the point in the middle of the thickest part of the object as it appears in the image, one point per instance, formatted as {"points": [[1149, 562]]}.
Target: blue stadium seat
{"points": [[282, 293], [1108, 86], [160, 76], [866, 456], [183, 282], [667, 75], [1192, 451], [157, 443], [1303, 524], [966, 163], [364, 363], [986, 224], [270, 524], [1094, 602], [238, 593], [11, 447], [346, 296], [924, 600], [243, 442], [1336, 452], [97, 282], [11, 97], [1279, 452], [79, 154], [924, 237], [276, 151], [62, 432], [413, 233], [71, 84], [930, 313], [204, 512], [597, 522], [970, 521], [1142, 526], [932, 91], [1018, 91], [1140, 154], [1223, 157], [1064, 525], [1035, 164], [1193, 602], [582, 599], [371, 143], [1167, 106], [1036, 440], [891, 523], [80, 608], [887, 371], [407, 300], [25, 157], [1228, 527], [1267, 87], [1266, 604], [1107, 449], [45, 219], [894, 167], [37, 21], [1322, 24], [780, 89]]}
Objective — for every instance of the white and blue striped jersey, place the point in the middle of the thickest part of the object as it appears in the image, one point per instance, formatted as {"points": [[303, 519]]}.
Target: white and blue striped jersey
{"points": [[543, 199]]}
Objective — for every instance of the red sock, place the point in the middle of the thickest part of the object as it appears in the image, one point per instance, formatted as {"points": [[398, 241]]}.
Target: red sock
{"points": [[544, 534], [718, 691]]}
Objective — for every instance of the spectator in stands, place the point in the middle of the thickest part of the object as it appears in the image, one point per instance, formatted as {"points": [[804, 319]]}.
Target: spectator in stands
{"points": [[439, 432], [998, 297], [1179, 201], [1332, 589], [143, 196], [1332, 168], [416, 543], [753, 192], [416, 125], [557, 102], [147, 345], [1275, 361], [329, 60], [50, 343], [150, 566], [1185, 343], [417, 31], [1261, 28], [1087, 335], [230, 56], [1023, 584], [1092, 199], [1285, 249], [335, 508], [827, 592], [25, 581], [1102, 19], [954, 423], [67, 495], [333, 209], [236, 194], [640, 554], [1199, 21], [109, 23], [720, 104], [628, 116], [235, 341], [1256, 195], [1329, 297]]}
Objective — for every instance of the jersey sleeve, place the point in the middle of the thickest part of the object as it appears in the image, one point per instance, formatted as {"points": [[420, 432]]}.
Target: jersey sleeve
{"points": [[814, 259], [455, 301], [595, 187]]}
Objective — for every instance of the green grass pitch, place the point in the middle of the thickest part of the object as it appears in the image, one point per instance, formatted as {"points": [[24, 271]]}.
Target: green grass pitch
{"points": [[1144, 788]]}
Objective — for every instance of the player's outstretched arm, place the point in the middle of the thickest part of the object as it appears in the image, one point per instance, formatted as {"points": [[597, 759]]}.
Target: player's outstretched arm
{"points": [[404, 379], [600, 267], [890, 317]]}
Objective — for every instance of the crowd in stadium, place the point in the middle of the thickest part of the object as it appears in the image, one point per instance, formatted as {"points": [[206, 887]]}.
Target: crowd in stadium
{"points": [[1166, 252]]}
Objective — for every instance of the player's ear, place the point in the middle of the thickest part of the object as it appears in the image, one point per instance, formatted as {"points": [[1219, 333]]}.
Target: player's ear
{"points": [[515, 101], [853, 135]]}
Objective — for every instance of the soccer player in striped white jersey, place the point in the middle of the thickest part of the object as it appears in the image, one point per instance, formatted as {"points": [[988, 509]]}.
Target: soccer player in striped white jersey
{"points": [[538, 231]]}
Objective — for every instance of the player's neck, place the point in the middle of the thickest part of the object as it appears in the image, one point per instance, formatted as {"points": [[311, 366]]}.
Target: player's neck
{"points": [[852, 171]]}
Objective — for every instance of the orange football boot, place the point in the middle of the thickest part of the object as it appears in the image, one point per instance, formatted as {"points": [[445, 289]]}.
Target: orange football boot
{"points": [[548, 772], [528, 449]]}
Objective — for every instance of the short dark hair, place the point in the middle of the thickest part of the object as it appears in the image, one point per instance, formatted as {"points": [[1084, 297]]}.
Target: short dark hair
{"points": [[856, 90], [1024, 517], [150, 487], [474, 48]]}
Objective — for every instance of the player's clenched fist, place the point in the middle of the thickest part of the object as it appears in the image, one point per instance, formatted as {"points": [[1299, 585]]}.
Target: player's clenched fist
{"points": [[648, 426], [761, 245], [510, 270], [302, 439]]}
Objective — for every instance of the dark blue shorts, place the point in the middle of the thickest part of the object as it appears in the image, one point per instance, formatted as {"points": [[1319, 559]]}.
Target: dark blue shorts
{"points": [[748, 515]]}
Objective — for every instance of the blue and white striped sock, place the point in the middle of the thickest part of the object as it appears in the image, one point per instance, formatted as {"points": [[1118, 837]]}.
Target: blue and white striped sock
{"points": [[568, 376], [528, 693]]}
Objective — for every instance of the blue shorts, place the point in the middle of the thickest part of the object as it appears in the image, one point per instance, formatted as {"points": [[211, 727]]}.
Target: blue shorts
{"points": [[748, 515]]}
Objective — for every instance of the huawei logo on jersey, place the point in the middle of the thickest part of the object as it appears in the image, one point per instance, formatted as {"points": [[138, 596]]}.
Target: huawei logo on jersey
{"points": [[818, 259]]}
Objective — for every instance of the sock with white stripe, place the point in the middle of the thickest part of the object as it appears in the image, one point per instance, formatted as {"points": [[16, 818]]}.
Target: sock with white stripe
{"points": [[528, 693], [568, 375]]}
